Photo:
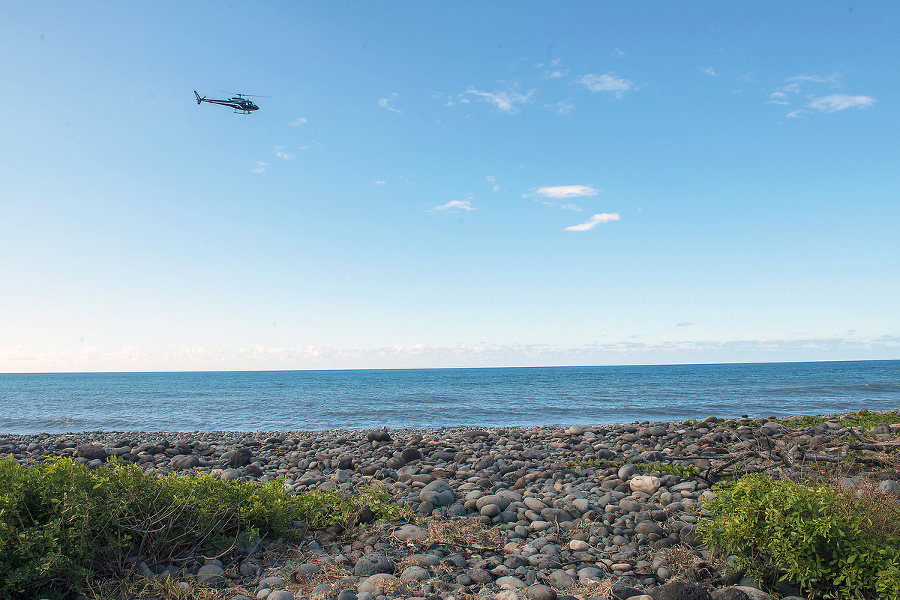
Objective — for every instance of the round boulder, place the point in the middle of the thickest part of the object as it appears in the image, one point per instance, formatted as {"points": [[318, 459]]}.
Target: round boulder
{"points": [[540, 592], [628, 471], [91, 452], [644, 483], [372, 564], [680, 590], [438, 493]]}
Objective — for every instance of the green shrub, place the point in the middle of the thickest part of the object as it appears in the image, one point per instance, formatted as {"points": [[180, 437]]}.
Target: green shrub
{"points": [[62, 523], [829, 540]]}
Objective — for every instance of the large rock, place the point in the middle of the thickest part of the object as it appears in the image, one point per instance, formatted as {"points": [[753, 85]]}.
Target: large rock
{"points": [[753, 593], [648, 527], [680, 590], [561, 580], [644, 483], [92, 452], [410, 533], [438, 493], [374, 584], [238, 458], [414, 573], [627, 471], [185, 461], [211, 575], [540, 592], [372, 564]]}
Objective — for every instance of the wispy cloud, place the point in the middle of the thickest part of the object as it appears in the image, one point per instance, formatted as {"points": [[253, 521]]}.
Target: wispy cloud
{"points": [[778, 98], [455, 205], [836, 102], [285, 155], [608, 82], [709, 71], [566, 191], [683, 324], [508, 101], [594, 221], [297, 121], [260, 167], [572, 207], [380, 182], [563, 107], [386, 103], [803, 94], [833, 79], [493, 180]]}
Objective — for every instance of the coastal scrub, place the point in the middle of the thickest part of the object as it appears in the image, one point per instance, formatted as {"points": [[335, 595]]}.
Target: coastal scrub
{"points": [[835, 542], [62, 524]]}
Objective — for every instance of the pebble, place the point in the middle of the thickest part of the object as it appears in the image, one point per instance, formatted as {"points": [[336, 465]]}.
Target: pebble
{"points": [[562, 521]]}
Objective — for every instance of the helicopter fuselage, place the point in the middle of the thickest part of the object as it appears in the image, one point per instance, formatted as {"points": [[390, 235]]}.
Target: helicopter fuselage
{"points": [[240, 105]]}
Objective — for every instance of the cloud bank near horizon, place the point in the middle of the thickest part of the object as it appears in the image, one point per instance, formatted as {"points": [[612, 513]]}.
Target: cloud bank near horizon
{"points": [[19, 359]]}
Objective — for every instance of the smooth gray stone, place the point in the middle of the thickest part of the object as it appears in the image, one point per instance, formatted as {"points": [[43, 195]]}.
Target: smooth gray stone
{"points": [[438, 493], [211, 575], [372, 564], [414, 573], [540, 592], [561, 580]]}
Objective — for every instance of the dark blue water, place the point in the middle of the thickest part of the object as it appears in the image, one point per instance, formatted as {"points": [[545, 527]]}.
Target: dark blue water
{"points": [[429, 398]]}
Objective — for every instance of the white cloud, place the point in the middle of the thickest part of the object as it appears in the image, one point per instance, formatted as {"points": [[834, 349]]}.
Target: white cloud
{"points": [[594, 221], [609, 82], [561, 108], [836, 102], [260, 167], [386, 103], [284, 155], [566, 191], [556, 74], [573, 207], [833, 80], [619, 53], [297, 121], [19, 359], [800, 91], [380, 182], [507, 101], [455, 205], [778, 98], [491, 178], [709, 71]]}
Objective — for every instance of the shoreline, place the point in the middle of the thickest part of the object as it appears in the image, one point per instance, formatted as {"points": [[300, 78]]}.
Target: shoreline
{"points": [[573, 507]]}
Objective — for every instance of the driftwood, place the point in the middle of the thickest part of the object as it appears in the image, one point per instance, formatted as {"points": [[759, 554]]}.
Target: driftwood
{"points": [[780, 454]]}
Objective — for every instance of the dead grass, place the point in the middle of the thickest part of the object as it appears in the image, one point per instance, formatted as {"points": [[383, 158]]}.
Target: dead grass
{"points": [[589, 588], [464, 532]]}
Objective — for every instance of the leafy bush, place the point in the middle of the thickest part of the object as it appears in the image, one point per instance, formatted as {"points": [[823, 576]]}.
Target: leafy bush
{"points": [[61, 523], [828, 539]]}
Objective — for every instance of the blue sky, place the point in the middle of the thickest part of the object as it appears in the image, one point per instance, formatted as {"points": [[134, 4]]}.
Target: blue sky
{"points": [[447, 184]]}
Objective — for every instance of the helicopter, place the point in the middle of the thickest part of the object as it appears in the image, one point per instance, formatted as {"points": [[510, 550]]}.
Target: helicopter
{"points": [[238, 102]]}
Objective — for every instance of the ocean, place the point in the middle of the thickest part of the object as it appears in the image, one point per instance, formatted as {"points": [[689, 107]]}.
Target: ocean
{"points": [[433, 398]]}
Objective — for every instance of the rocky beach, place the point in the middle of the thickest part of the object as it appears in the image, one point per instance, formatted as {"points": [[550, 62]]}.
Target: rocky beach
{"points": [[539, 513]]}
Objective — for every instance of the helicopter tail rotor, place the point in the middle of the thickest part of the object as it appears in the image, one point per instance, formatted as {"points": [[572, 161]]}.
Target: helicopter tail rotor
{"points": [[199, 99]]}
